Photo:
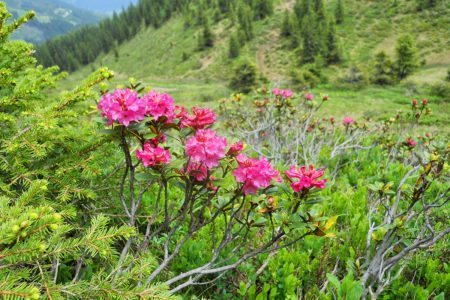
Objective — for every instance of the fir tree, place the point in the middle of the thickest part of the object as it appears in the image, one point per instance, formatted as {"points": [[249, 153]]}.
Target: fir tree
{"points": [[311, 41], [406, 56], [286, 26], [333, 54], [245, 17], [206, 39], [383, 71], [234, 46], [339, 13], [244, 77]]}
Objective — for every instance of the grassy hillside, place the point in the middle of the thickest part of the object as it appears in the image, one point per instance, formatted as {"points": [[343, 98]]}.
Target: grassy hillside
{"points": [[168, 57], [53, 18]]}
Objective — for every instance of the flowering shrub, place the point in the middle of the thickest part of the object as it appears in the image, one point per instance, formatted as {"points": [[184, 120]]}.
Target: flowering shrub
{"points": [[254, 173], [206, 147], [286, 127], [220, 187]]}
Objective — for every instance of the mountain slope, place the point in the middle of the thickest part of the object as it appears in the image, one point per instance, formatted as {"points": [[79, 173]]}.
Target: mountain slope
{"points": [[53, 18], [168, 58], [369, 27]]}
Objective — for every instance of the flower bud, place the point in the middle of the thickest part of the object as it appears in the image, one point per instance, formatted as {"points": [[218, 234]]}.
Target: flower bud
{"points": [[424, 101], [414, 102], [23, 234], [24, 224], [53, 226], [325, 98]]}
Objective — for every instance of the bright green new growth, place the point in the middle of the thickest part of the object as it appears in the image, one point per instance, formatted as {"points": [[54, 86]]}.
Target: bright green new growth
{"points": [[45, 150]]}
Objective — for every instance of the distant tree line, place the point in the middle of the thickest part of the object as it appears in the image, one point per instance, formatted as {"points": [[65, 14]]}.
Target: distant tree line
{"points": [[83, 46]]}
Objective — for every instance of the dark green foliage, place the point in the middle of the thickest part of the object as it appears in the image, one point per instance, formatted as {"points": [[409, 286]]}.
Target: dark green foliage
{"points": [[234, 46], [245, 17], [383, 70], [406, 56], [312, 42], [339, 13], [354, 77], [206, 38], [426, 4], [262, 9], [287, 28], [244, 77], [333, 53]]}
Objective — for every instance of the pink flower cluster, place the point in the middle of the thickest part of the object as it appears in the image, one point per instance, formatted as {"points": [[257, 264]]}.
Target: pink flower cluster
{"points": [[283, 93], [197, 170], [305, 178], [124, 106], [348, 121], [410, 142], [153, 156], [254, 173], [201, 118], [236, 149], [309, 97], [159, 105], [206, 147]]}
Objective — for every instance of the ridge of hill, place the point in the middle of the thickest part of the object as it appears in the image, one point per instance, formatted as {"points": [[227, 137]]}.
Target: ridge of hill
{"points": [[53, 18]]}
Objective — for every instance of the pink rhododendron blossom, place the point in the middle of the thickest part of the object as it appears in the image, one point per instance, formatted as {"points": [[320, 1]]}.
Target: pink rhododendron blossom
{"points": [[283, 93], [236, 149], [153, 156], [254, 173], [309, 96], [159, 105], [201, 118], [157, 140], [305, 178], [411, 143], [206, 147], [197, 170], [348, 121], [123, 106]]}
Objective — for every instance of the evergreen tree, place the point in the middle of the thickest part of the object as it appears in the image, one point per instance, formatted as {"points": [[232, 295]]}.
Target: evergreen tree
{"points": [[319, 10], [310, 39], [426, 4], [244, 77], [339, 13], [234, 46], [245, 17], [301, 9], [383, 71], [262, 9], [286, 26], [206, 39], [406, 56], [333, 54]]}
